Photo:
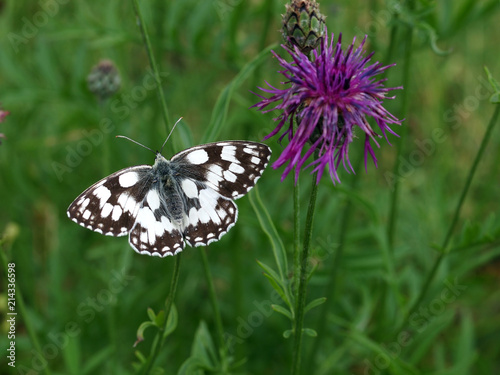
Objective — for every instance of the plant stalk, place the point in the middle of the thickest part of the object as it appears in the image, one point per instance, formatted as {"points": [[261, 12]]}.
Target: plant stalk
{"points": [[300, 305], [160, 338], [445, 249], [154, 66]]}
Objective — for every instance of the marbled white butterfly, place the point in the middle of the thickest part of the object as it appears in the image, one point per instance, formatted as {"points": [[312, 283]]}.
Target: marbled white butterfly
{"points": [[187, 199]]}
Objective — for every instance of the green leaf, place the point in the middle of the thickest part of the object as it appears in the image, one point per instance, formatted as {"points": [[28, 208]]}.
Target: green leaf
{"points": [[140, 356], [465, 348], [287, 333], [314, 303], [272, 273], [310, 332], [203, 354], [151, 314], [278, 288], [140, 331], [172, 321], [219, 114], [159, 319], [495, 98], [71, 355], [397, 365], [283, 311]]}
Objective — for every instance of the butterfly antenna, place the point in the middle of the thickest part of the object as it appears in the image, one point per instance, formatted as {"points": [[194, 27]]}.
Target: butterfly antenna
{"points": [[173, 127], [137, 143]]}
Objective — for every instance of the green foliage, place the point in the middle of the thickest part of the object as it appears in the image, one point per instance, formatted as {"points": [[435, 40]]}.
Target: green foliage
{"points": [[83, 298]]}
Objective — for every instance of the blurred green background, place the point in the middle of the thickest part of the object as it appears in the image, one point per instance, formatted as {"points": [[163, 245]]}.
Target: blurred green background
{"points": [[87, 294]]}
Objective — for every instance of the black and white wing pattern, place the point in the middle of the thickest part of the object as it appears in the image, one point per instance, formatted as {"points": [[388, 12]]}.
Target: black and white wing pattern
{"points": [[188, 199]]}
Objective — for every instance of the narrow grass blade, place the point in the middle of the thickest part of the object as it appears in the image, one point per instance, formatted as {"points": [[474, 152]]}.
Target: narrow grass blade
{"points": [[219, 114], [268, 227]]}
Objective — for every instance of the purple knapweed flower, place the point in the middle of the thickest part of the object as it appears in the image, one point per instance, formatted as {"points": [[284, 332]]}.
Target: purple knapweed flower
{"points": [[327, 97]]}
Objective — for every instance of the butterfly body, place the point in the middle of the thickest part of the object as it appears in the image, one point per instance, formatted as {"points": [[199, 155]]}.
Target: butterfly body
{"points": [[186, 200]]}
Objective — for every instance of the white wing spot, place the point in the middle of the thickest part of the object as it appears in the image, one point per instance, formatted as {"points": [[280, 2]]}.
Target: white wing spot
{"points": [[255, 160], [189, 188], [228, 153], [103, 193], [153, 200], [222, 214], [203, 216], [127, 202], [117, 212], [128, 179], [229, 176], [236, 168], [106, 210], [250, 151], [84, 205], [193, 216], [197, 157], [144, 238], [208, 201], [86, 214], [214, 176], [216, 169]]}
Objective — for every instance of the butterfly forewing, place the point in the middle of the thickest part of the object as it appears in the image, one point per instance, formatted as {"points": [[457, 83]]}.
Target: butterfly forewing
{"points": [[230, 168], [188, 199], [110, 206]]}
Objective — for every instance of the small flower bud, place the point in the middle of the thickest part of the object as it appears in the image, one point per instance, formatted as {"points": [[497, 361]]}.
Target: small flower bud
{"points": [[104, 79], [303, 25]]}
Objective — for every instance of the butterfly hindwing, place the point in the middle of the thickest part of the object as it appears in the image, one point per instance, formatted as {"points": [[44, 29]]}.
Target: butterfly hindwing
{"points": [[110, 206], [209, 216], [154, 233]]}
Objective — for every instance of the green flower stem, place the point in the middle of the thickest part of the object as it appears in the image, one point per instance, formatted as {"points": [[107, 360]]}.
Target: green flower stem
{"points": [[445, 249], [404, 131], [22, 310], [296, 240], [160, 338], [331, 288], [300, 305], [215, 303], [154, 66]]}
